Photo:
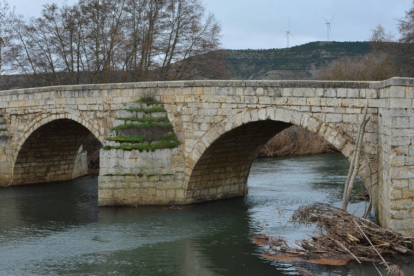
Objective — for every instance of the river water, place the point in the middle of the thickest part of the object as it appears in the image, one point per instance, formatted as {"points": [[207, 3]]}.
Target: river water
{"points": [[57, 229]]}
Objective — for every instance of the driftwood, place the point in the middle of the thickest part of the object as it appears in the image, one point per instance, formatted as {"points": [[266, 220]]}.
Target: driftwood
{"points": [[342, 237], [395, 270], [355, 164]]}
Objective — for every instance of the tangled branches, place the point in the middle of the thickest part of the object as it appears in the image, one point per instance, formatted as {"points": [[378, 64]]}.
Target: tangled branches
{"points": [[340, 233]]}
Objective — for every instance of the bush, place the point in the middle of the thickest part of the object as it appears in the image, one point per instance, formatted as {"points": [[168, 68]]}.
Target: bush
{"points": [[296, 140]]}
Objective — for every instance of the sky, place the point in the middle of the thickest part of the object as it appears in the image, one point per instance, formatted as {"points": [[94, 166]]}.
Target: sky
{"points": [[262, 24]]}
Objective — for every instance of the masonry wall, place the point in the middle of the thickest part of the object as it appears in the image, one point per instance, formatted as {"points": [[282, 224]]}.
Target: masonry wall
{"points": [[203, 115], [396, 159], [131, 177], [141, 161]]}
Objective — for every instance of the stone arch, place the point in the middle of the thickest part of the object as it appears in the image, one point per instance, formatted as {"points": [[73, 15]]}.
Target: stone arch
{"points": [[42, 120], [49, 149], [202, 179]]}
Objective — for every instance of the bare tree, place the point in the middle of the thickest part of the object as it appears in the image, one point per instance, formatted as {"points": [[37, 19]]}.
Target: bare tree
{"points": [[376, 65], [406, 47], [100, 41], [6, 14], [380, 35]]}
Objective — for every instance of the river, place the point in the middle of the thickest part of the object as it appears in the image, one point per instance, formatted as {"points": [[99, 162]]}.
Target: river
{"points": [[57, 228]]}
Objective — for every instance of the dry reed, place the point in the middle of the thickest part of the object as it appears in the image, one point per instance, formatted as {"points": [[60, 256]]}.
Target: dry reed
{"points": [[296, 140]]}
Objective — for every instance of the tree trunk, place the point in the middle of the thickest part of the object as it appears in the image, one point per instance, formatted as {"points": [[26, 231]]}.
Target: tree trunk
{"points": [[354, 168]]}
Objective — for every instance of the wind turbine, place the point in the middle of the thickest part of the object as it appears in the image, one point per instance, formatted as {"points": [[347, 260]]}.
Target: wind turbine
{"points": [[288, 34], [328, 26]]}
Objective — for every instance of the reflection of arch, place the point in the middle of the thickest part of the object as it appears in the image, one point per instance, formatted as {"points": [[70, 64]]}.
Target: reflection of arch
{"points": [[49, 150], [220, 161]]}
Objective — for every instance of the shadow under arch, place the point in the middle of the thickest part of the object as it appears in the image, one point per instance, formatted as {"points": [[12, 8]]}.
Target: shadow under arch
{"points": [[40, 121], [220, 162], [48, 154]]}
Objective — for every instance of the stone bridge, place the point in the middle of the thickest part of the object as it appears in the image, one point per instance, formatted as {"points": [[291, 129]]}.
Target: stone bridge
{"points": [[219, 128]]}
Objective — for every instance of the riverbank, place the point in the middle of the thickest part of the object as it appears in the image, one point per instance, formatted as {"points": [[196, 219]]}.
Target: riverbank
{"points": [[294, 141]]}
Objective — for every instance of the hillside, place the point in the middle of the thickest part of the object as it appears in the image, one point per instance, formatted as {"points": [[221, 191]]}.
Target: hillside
{"points": [[272, 64], [290, 63]]}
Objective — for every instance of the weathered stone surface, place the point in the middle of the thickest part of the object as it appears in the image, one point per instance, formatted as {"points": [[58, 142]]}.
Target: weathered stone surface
{"points": [[80, 167], [221, 125]]}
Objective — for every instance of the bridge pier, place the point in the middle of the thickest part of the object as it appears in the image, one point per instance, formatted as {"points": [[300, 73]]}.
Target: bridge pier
{"points": [[6, 163], [396, 161], [6, 154]]}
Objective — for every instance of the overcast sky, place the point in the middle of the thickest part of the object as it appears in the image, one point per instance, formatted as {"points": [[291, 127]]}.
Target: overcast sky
{"points": [[261, 24]]}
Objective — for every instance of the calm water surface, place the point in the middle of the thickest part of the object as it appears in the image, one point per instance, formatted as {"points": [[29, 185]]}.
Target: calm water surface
{"points": [[57, 229]]}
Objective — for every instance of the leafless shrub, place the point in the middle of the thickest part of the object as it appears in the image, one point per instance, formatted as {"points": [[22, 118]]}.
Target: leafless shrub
{"points": [[296, 141], [374, 66]]}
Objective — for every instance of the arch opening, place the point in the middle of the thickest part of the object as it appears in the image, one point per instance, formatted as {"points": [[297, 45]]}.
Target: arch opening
{"points": [[56, 151], [223, 169]]}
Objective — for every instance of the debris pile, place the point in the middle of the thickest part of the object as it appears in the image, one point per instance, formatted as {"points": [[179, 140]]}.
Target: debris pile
{"points": [[342, 237]]}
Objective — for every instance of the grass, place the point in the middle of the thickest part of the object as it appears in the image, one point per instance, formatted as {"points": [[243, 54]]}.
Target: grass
{"points": [[146, 110], [143, 120], [147, 125], [123, 139], [167, 141], [150, 147], [167, 137]]}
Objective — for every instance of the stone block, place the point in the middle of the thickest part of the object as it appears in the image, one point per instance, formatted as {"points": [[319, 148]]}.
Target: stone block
{"points": [[354, 93], [397, 92], [330, 93]]}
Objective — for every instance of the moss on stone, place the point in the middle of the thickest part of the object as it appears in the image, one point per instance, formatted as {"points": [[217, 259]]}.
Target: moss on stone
{"points": [[128, 174], [147, 125], [122, 139], [171, 136], [146, 110], [150, 147], [151, 129], [147, 119]]}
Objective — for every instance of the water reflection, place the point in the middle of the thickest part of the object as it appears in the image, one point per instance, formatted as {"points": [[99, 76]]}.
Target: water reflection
{"points": [[57, 229]]}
